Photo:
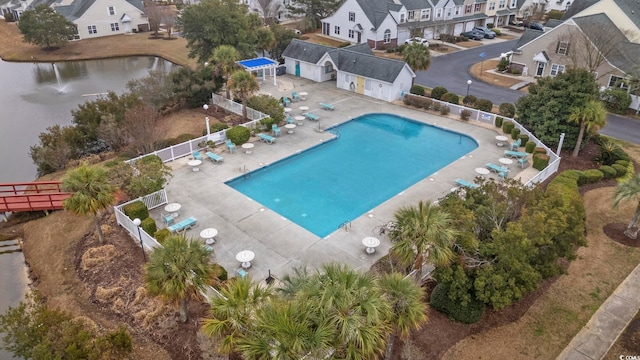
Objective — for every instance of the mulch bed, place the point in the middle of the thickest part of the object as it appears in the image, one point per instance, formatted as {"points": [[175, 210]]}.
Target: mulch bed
{"points": [[615, 232]]}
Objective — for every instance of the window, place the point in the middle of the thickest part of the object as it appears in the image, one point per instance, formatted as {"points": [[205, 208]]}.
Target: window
{"points": [[336, 30], [438, 13], [556, 69], [401, 17], [112, 10], [352, 16], [328, 69], [492, 5], [367, 84], [425, 14], [467, 9], [115, 27], [411, 15], [617, 81], [500, 20], [92, 29], [477, 8], [346, 78], [512, 4], [458, 10], [449, 11], [387, 36], [562, 48], [351, 34], [501, 4]]}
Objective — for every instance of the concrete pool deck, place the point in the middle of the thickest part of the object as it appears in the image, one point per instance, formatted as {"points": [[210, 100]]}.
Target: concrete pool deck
{"points": [[279, 244]]}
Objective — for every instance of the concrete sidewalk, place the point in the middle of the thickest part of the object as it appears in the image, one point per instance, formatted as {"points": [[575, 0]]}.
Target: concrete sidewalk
{"points": [[607, 324]]}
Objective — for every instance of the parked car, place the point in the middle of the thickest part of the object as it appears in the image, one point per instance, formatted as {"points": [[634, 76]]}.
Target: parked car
{"points": [[486, 31], [473, 35], [535, 26], [418, 40]]}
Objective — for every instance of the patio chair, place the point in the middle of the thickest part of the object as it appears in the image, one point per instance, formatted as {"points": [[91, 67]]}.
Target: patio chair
{"points": [[516, 154], [467, 184], [167, 219], [213, 157], [286, 101], [241, 272], [266, 138], [497, 168], [290, 120], [327, 106], [523, 162], [275, 130], [312, 117], [231, 146], [197, 156], [515, 145], [295, 96]]}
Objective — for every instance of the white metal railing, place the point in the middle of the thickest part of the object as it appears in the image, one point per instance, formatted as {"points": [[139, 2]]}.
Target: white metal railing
{"points": [[236, 108], [490, 118]]}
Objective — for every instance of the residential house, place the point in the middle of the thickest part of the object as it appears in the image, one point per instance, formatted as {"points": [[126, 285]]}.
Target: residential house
{"points": [[353, 68], [602, 36], [96, 18]]}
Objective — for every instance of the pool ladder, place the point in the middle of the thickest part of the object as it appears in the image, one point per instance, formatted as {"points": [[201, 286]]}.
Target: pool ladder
{"points": [[335, 132], [346, 225]]}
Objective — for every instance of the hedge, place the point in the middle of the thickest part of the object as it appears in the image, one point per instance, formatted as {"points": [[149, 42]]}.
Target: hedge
{"points": [[438, 91], [515, 132], [593, 175], [624, 163], [499, 120], [484, 105], [507, 126], [214, 128], [529, 147], [540, 161], [450, 98], [620, 170], [417, 90], [467, 314], [149, 225], [469, 100], [162, 235], [136, 210]]}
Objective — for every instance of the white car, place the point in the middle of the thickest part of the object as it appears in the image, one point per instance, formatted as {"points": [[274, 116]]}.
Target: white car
{"points": [[418, 40]]}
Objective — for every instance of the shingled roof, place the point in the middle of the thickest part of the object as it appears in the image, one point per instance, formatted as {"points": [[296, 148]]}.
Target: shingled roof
{"points": [[377, 10], [528, 36], [305, 51], [77, 8]]}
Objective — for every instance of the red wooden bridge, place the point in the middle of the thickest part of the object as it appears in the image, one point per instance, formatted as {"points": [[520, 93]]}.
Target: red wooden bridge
{"points": [[32, 196]]}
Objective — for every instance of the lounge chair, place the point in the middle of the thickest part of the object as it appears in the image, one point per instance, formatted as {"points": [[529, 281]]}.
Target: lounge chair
{"points": [[465, 183], [266, 138], [312, 117], [516, 154], [515, 145], [523, 162], [184, 224], [275, 130], [231, 146], [295, 96], [197, 156], [327, 106], [167, 219], [500, 170], [213, 157]]}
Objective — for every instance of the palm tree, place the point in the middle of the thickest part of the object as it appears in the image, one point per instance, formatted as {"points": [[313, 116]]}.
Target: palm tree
{"points": [[232, 315], [92, 193], [178, 270], [591, 117], [243, 85], [417, 56], [266, 39], [423, 233], [225, 57], [630, 190], [408, 310]]}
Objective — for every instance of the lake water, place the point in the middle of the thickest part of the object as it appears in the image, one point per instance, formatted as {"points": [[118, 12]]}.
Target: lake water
{"points": [[36, 96], [32, 98]]}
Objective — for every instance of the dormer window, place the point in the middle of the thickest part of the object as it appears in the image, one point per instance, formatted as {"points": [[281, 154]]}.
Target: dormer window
{"points": [[352, 16], [438, 13], [512, 5], [425, 14]]}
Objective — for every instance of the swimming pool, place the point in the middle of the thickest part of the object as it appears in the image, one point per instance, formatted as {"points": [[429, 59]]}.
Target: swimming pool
{"points": [[372, 158]]}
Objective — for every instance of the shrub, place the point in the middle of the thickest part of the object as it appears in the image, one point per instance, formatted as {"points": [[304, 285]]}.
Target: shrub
{"points": [[507, 109], [524, 138], [417, 89], [444, 110], [503, 65], [436, 106], [220, 272], [484, 105], [451, 98], [238, 135], [540, 161], [608, 171], [555, 15], [576, 175], [180, 139], [390, 50], [149, 225], [593, 176], [610, 152], [136, 210], [616, 100], [407, 100], [344, 44], [620, 170], [401, 48], [267, 104], [425, 103], [465, 114], [162, 235], [515, 132], [469, 100], [497, 31], [507, 126], [624, 163], [529, 147], [267, 123], [214, 128], [498, 122], [455, 310], [490, 26], [438, 91]]}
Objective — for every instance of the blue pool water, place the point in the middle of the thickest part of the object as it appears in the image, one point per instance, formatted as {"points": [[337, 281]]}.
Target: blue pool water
{"points": [[373, 158]]}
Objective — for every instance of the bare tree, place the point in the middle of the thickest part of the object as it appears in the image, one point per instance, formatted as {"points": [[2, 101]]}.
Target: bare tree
{"points": [[594, 40], [169, 15], [268, 9], [144, 128], [154, 15]]}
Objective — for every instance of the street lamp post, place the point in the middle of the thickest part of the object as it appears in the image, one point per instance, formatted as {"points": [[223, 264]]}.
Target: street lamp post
{"points": [[137, 223], [468, 86], [206, 118]]}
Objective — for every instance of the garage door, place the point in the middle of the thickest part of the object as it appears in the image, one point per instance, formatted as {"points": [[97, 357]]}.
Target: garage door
{"points": [[458, 29], [428, 33], [470, 25]]}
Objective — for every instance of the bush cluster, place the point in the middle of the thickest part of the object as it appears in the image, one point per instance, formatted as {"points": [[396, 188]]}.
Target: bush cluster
{"points": [[238, 135], [468, 314], [417, 90], [465, 114], [469, 100], [451, 98], [136, 210], [438, 91], [484, 105], [445, 110], [507, 109]]}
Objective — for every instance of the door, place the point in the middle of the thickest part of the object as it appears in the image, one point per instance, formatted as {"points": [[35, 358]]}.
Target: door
{"points": [[297, 68], [360, 85], [359, 37], [540, 69]]}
